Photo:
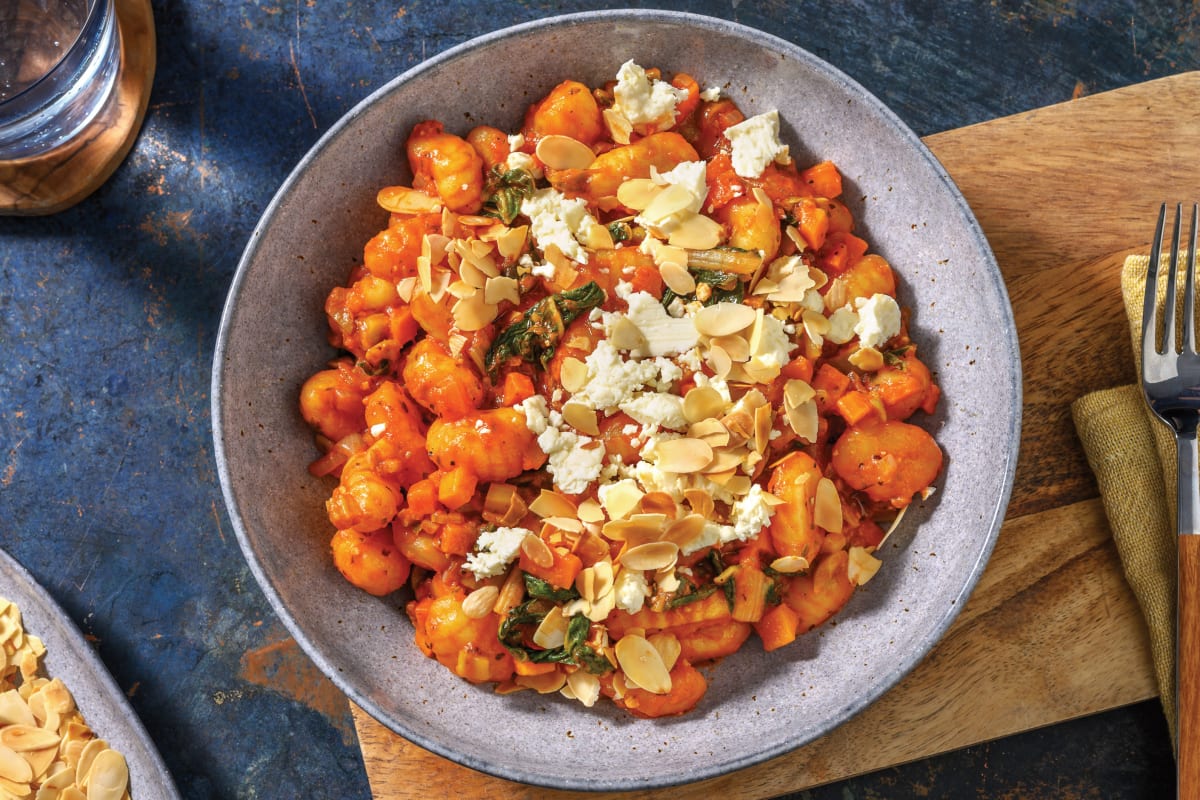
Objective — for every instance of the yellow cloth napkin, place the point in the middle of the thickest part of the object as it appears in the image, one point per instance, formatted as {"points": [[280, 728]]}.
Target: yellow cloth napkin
{"points": [[1133, 457]]}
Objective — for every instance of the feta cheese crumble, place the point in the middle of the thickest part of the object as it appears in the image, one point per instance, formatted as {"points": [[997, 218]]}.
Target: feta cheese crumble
{"points": [[643, 101], [495, 550], [555, 219], [756, 144], [878, 319]]}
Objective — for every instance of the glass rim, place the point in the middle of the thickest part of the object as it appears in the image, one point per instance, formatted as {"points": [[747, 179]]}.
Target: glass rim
{"points": [[95, 16]]}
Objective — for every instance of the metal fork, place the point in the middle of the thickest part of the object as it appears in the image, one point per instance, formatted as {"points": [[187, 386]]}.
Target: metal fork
{"points": [[1171, 382]]}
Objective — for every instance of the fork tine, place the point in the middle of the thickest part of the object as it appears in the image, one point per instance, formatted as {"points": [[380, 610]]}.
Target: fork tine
{"points": [[1149, 307], [1189, 290], [1169, 343]]}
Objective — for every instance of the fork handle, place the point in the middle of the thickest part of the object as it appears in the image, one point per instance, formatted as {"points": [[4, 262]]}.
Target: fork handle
{"points": [[1187, 668]]}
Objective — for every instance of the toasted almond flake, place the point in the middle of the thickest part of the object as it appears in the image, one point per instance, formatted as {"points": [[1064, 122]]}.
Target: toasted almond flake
{"points": [[736, 346], [682, 456], [14, 789], [720, 361], [573, 374], [672, 199], [625, 335], [804, 421], [651, 555], [537, 551], [621, 498], [478, 604], [598, 237], [796, 392], [739, 484], [564, 524], [793, 233], [638, 529], [27, 737], [546, 683], [512, 591], [405, 288], [619, 126], [591, 548], [668, 648], [868, 359], [603, 577], [762, 197], [552, 504], [450, 224], [585, 686], [667, 580], [658, 503], [815, 325], [500, 288], [700, 501], [464, 289], [552, 630], [759, 371], [642, 664], [677, 278], [701, 403], [740, 421], [721, 478], [638, 193], [405, 200], [564, 270], [827, 507], [666, 254], [724, 319], [590, 511], [862, 566], [892, 527], [790, 565], [473, 313], [599, 610], [764, 416], [697, 232], [687, 529], [563, 152], [582, 418], [725, 459], [512, 242], [14, 710], [13, 767]]}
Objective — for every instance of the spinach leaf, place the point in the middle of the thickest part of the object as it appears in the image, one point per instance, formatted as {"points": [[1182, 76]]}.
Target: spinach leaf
{"points": [[535, 336], [504, 191], [691, 597], [723, 287], [536, 587]]}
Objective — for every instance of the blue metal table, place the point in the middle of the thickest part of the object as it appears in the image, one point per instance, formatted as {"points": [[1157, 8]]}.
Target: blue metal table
{"points": [[109, 311]]}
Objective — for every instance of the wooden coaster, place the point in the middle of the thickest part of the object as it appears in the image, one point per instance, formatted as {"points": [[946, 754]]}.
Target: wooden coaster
{"points": [[62, 177]]}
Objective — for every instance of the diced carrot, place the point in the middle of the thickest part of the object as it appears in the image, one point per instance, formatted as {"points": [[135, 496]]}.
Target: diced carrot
{"points": [[686, 106], [778, 627], [855, 407], [517, 388], [841, 251], [824, 178], [831, 380], [799, 368], [646, 278], [561, 574], [457, 488], [528, 668], [422, 498], [813, 223], [457, 538]]}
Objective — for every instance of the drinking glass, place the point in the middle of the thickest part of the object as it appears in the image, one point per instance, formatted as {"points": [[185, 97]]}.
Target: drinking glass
{"points": [[59, 61]]}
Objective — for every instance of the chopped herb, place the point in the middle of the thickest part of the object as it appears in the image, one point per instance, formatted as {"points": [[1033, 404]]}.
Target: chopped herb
{"points": [[574, 650], [620, 232], [730, 591], [895, 358], [505, 189], [691, 597], [536, 587], [535, 336]]}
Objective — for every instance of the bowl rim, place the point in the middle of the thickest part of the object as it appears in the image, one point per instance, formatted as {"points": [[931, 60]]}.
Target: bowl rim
{"points": [[988, 265]]}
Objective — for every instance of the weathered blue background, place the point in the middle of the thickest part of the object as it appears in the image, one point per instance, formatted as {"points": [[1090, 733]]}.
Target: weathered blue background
{"points": [[109, 311]]}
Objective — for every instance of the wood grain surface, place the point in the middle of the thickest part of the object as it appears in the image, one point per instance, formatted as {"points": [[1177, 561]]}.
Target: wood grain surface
{"points": [[1052, 631], [59, 179], [1188, 669]]}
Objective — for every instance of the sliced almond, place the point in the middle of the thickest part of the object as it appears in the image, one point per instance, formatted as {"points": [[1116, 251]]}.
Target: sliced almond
{"points": [[546, 683], [804, 421], [701, 502], [701, 403], [478, 604], [687, 529], [573, 374], [502, 288], [27, 737], [405, 200], [682, 456], [567, 524], [13, 767], [736, 346], [584, 686], [720, 361], [619, 126], [868, 359], [658, 503], [473, 313], [827, 507], [697, 232], [671, 200], [668, 648], [552, 630], [642, 664], [582, 418], [590, 511], [725, 459], [621, 498], [862, 566], [797, 392], [677, 278], [764, 417], [790, 565], [652, 555], [638, 529], [563, 152], [638, 193], [724, 319], [625, 335], [511, 243], [14, 710], [537, 551], [552, 504]]}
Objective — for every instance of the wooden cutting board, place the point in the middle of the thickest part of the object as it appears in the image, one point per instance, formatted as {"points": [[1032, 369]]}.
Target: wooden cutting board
{"points": [[1052, 631]]}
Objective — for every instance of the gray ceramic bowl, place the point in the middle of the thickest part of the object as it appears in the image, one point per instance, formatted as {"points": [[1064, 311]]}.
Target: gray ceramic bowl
{"points": [[758, 705]]}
